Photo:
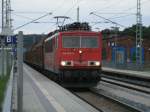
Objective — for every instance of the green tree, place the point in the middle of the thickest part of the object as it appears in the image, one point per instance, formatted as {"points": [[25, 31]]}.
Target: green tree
{"points": [[131, 31]]}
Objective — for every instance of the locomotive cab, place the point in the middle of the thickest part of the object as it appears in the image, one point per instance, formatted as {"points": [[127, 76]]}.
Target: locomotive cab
{"points": [[80, 56], [80, 50]]}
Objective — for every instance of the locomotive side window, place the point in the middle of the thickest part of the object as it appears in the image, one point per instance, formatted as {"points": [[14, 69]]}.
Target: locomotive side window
{"points": [[89, 42], [48, 46], [71, 42], [56, 44]]}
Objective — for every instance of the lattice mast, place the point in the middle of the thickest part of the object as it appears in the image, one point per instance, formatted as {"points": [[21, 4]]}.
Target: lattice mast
{"points": [[6, 18], [139, 34]]}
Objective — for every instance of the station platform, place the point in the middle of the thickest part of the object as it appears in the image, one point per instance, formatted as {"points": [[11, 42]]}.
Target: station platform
{"points": [[139, 74], [43, 95]]}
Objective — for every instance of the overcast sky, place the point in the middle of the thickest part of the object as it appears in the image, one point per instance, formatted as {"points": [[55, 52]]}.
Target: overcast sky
{"points": [[121, 11]]}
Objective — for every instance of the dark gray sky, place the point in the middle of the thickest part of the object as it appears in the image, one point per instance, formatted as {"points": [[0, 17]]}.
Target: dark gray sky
{"points": [[121, 11]]}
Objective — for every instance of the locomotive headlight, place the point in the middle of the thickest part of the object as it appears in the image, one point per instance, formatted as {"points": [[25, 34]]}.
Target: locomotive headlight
{"points": [[63, 63], [94, 63], [80, 51], [97, 63], [66, 63]]}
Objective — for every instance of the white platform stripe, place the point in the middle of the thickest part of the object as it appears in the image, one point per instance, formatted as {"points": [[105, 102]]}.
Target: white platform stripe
{"points": [[52, 100]]}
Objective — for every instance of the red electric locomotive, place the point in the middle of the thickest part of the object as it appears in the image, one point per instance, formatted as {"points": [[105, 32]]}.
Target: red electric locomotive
{"points": [[72, 56]]}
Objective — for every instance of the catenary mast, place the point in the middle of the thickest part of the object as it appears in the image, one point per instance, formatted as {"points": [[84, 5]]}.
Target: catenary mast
{"points": [[139, 34], [6, 18]]}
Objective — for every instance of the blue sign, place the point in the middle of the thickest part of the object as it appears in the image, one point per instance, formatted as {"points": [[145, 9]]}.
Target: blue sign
{"points": [[133, 54], [119, 55], [11, 40]]}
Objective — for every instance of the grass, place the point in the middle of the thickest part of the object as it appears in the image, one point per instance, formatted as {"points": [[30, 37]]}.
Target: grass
{"points": [[3, 84]]}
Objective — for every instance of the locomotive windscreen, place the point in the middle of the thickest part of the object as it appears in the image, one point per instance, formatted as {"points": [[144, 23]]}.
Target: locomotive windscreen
{"points": [[80, 42]]}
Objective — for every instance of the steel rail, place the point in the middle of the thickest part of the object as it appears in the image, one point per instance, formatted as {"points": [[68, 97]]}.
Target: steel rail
{"points": [[128, 86], [107, 97], [100, 110], [128, 79], [117, 101]]}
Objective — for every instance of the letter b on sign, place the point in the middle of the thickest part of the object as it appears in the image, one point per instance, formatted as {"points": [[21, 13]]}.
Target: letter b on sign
{"points": [[9, 39]]}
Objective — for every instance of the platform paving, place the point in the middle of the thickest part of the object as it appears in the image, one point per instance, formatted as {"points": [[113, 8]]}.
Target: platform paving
{"points": [[43, 95], [33, 100]]}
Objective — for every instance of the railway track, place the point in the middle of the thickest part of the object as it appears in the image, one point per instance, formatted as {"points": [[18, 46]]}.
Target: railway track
{"points": [[104, 102], [101, 102], [125, 84], [128, 88], [128, 79]]}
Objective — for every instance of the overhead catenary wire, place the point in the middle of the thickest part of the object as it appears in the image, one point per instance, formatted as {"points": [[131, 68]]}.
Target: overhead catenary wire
{"points": [[32, 21], [122, 12], [125, 14], [107, 6], [92, 13], [37, 22], [134, 7], [74, 5], [66, 13], [31, 12], [122, 16], [113, 22], [29, 18], [40, 12], [25, 17]]}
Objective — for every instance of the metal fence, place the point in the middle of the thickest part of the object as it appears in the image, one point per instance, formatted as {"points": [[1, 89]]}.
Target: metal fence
{"points": [[127, 66]]}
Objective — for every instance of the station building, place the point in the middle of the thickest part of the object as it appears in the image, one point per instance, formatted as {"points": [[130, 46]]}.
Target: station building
{"points": [[124, 49]]}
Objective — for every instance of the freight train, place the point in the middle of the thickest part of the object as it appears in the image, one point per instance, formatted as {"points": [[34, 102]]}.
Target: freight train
{"points": [[70, 56]]}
